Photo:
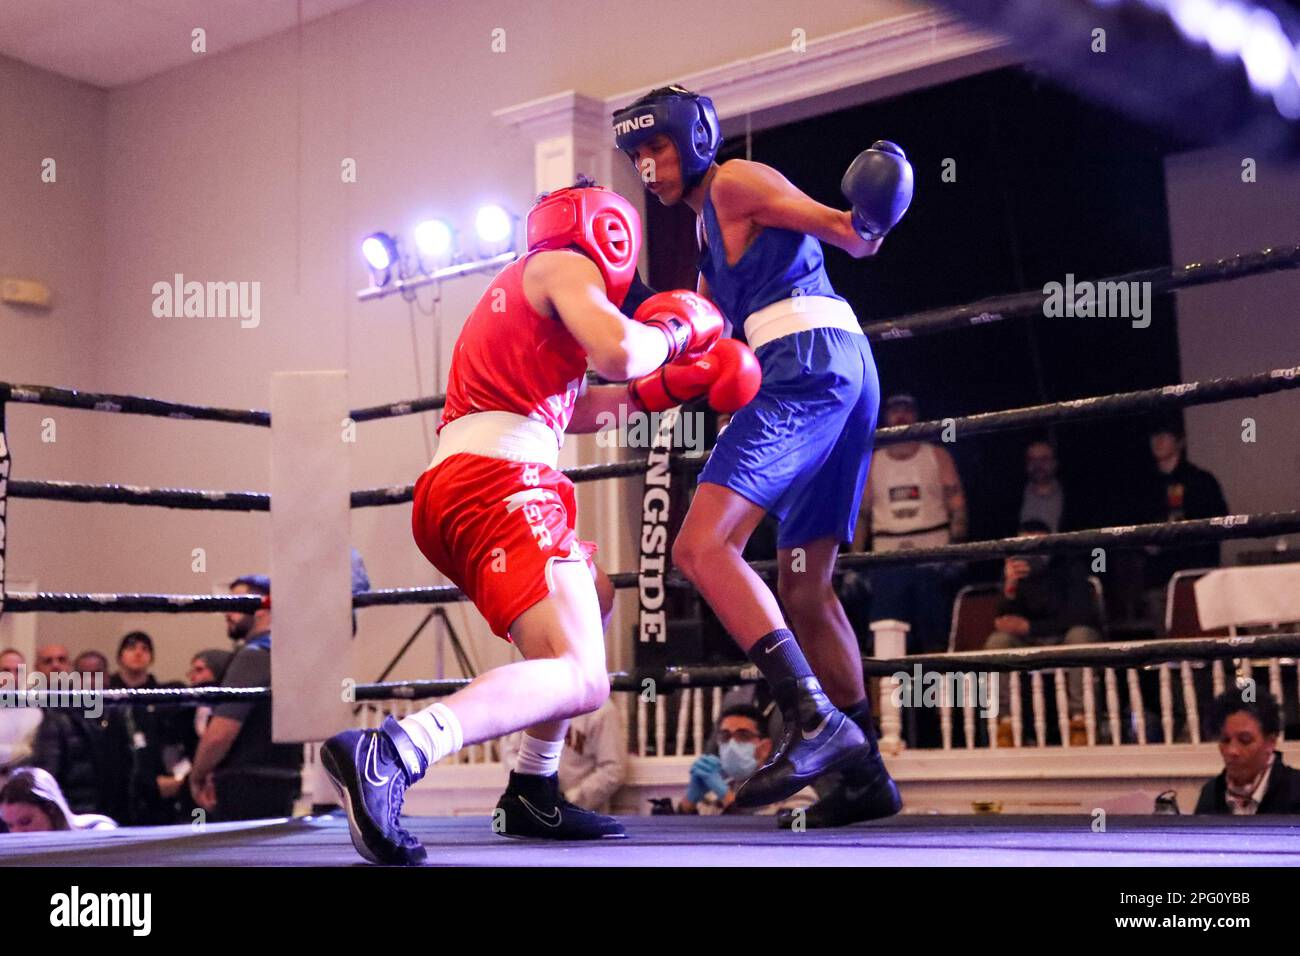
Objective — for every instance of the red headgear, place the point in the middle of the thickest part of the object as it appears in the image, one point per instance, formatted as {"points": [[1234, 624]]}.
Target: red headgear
{"points": [[598, 221]]}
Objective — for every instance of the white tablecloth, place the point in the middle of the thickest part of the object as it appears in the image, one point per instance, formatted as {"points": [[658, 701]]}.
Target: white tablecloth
{"points": [[1242, 596]]}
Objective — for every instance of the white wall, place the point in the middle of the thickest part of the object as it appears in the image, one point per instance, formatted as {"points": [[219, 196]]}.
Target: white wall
{"points": [[229, 170], [1240, 327], [52, 232]]}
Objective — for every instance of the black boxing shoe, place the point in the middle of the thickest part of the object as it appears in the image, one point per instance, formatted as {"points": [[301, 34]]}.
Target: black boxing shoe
{"points": [[818, 739], [533, 808], [371, 770], [862, 793]]}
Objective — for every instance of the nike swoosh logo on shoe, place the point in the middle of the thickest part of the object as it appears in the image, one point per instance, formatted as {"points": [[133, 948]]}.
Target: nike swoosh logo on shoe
{"points": [[551, 819], [372, 766], [818, 729]]}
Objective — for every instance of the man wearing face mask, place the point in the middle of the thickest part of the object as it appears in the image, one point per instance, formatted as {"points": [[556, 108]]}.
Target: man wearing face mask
{"points": [[1045, 600], [1254, 778], [744, 744]]}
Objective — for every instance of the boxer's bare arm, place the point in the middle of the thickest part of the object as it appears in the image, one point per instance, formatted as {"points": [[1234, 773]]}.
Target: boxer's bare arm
{"points": [[753, 191], [568, 285], [597, 409]]}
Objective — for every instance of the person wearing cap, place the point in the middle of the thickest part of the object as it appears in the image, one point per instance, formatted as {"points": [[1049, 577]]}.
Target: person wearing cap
{"points": [[1176, 490], [239, 772], [140, 734], [913, 500]]}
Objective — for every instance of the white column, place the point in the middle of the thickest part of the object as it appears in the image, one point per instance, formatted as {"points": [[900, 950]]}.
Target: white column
{"points": [[571, 134], [890, 643]]}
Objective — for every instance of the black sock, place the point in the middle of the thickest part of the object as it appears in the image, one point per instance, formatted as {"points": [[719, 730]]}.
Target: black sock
{"points": [[860, 714], [778, 656]]}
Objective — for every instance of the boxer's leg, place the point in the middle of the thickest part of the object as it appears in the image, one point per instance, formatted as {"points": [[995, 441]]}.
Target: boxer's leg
{"points": [[563, 641], [563, 673], [825, 634], [821, 515], [709, 551], [554, 730], [762, 460]]}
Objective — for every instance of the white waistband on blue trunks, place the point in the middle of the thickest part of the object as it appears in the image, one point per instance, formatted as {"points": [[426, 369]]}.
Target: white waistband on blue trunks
{"points": [[799, 313], [502, 435]]}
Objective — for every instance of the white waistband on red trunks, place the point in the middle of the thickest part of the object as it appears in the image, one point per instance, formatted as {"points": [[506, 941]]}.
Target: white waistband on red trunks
{"points": [[498, 435], [799, 313]]}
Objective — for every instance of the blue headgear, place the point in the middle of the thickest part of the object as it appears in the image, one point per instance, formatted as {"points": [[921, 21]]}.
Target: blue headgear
{"points": [[687, 118]]}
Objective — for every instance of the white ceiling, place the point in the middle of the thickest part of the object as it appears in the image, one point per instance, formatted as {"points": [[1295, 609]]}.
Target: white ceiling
{"points": [[115, 42]]}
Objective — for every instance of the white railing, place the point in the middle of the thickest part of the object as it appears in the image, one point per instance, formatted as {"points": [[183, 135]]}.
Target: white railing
{"points": [[1177, 714]]}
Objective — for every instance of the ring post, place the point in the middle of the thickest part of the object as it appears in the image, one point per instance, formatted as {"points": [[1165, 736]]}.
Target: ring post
{"points": [[311, 573]]}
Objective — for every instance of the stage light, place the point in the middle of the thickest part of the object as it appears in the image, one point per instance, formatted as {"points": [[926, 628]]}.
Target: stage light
{"points": [[380, 251], [1266, 53], [1226, 31], [494, 225], [435, 239], [1192, 17]]}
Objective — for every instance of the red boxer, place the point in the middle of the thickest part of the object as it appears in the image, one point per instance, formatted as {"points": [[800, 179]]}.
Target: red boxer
{"points": [[493, 513]]}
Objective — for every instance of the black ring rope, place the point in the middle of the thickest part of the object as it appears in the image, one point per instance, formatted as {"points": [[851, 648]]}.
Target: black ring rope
{"points": [[1070, 410], [1108, 655], [1174, 532], [1162, 278], [1017, 304]]}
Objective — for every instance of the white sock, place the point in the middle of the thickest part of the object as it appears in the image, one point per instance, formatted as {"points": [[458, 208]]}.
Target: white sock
{"points": [[540, 758], [436, 731]]}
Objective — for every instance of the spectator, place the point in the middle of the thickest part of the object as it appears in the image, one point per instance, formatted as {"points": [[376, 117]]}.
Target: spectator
{"points": [[31, 802], [913, 499], [206, 669], [239, 772], [134, 658], [18, 725], [1254, 778], [142, 732], [1177, 490], [84, 756], [12, 663], [52, 659], [593, 764], [1044, 498], [1046, 600], [743, 746], [91, 662]]}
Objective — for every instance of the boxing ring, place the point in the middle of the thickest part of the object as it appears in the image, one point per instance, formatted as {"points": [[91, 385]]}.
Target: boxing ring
{"points": [[903, 841], [907, 839]]}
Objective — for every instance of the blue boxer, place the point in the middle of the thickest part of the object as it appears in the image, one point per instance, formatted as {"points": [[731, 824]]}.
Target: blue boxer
{"points": [[801, 449]]}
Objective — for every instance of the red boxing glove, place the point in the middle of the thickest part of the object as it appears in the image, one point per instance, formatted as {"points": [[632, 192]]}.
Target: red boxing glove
{"points": [[729, 373], [690, 322]]}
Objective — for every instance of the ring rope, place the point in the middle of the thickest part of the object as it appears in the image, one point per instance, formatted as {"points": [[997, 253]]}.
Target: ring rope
{"points": [[1202, 529], [1129, 654], [1162, 279], [1071, 410], [1017, 304]]}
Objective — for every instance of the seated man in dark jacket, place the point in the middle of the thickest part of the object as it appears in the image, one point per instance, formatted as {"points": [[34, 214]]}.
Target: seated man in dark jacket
{"points": [[1045, 600], [1254, 778]]}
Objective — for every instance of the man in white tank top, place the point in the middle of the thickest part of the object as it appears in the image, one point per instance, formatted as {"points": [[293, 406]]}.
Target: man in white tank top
{"points": [[913, 499]]}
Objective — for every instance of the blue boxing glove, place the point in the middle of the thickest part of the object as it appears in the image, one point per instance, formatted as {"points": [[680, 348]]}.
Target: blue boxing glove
{"points": [[879, 186], [706, 776]]}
